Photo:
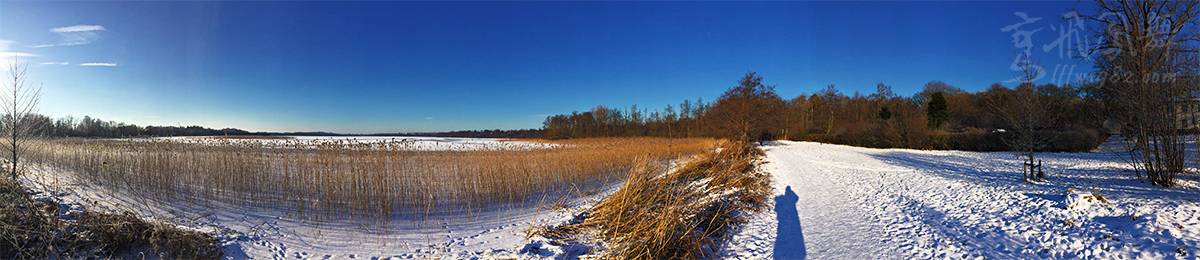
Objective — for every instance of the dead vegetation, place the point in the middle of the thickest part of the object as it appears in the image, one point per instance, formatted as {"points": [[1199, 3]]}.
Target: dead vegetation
{"points": [[364, 184], [38, 229], [679, 213]]}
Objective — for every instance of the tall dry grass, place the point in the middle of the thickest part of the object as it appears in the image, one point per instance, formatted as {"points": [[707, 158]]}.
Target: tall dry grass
{"points": [[369, 183], [683, 212]]}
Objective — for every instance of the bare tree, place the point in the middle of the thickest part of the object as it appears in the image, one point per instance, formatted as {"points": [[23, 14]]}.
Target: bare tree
{"points": [[1144, 60], [748, 111], [19, 106], [831, 100], [1029, 115]]}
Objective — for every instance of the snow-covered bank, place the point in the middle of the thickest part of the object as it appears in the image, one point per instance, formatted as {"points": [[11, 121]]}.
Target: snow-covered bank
{"points": [[841, 202]]}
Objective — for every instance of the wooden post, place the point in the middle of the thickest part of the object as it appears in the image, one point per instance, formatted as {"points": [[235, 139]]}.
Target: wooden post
{"points": [[1026, 168], [1040, 174]]}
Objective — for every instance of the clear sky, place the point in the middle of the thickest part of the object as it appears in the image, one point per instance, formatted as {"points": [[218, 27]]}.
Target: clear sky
{"points": [[373, 67]]}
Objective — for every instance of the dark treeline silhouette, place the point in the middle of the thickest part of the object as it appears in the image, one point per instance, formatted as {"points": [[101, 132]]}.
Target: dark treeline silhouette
{"points": [[941, 116], [70, 126]]}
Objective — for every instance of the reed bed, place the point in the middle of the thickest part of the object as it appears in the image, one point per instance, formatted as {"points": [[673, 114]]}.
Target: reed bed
{"points": [[369, 183]]}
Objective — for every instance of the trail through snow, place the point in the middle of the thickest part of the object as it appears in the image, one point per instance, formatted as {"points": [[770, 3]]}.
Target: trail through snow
{"points": [[842, 202], [828, 219]]}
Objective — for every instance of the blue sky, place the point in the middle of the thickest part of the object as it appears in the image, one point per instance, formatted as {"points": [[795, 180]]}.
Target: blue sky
{"points": [[372, 67]]}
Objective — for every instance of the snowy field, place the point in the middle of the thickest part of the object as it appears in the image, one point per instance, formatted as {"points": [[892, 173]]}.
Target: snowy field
{"points": [[841, 202], [833, 202]]}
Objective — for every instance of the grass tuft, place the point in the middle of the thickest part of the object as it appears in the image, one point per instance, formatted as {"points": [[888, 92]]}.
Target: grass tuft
{"points": [[1098, 196]]}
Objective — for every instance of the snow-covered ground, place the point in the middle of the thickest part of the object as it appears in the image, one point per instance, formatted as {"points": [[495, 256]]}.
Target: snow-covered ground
{"points": [[833, 202], [841, 202]]}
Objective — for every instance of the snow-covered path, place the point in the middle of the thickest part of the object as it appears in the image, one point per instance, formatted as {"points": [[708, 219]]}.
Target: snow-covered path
{"points": [[819, 220], [841, 202]]}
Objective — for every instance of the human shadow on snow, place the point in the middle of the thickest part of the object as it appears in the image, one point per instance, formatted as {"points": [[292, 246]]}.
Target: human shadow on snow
{"points": [[789, 238]]}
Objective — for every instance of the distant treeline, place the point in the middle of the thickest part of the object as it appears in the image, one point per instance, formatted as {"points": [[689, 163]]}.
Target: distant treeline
{"points": [[497, 133], [70, 126], [941, 116]]}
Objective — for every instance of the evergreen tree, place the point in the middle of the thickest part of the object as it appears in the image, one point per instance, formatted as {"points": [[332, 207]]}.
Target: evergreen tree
{"points": [[937, 110], [885, 113]]}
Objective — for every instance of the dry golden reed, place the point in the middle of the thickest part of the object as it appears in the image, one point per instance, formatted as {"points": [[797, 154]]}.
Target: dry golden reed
{"points": [[677, 213], [368, 183]]}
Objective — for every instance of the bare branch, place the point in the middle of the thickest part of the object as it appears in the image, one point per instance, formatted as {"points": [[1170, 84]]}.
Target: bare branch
{"points": [[18, 126]]}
